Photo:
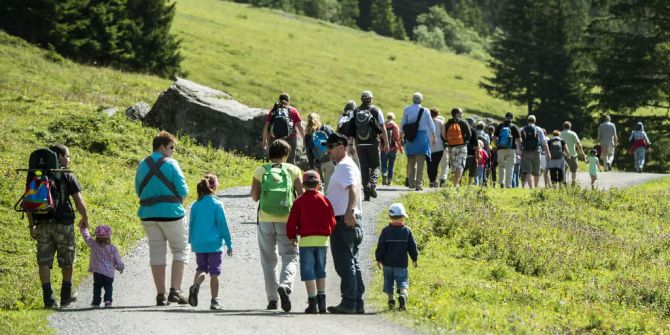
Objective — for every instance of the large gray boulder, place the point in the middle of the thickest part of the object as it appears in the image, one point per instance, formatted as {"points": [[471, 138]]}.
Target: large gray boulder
{"points": [[212, 117], [138, 110]]}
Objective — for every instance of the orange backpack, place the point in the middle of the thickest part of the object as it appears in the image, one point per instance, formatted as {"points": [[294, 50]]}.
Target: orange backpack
{"points": [[455, 135]]}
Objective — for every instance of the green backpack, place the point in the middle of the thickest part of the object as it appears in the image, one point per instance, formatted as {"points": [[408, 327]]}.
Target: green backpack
{"points": [[276, 190]]}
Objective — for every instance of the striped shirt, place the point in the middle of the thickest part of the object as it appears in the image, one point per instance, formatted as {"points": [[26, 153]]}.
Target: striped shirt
{"points": [[104, 257]]}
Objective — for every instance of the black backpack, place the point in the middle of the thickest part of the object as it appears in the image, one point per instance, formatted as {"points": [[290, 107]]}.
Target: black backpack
{"points": [[412, 129], [556, 148], [281, 124], [530, 140], [366, 124], [344, 123]]}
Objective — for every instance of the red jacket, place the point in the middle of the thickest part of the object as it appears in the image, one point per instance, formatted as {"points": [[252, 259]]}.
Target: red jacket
{"points": [[311, 214]]}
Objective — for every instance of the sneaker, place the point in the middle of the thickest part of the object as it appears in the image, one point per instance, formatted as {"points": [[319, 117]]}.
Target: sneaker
{"points": [[272, 305], [94, 305], [401, 303], [108, 304], [391, 304], [176, 296], [193, 295], [283, 296], [339, 309], [215, 305], [161, 300], [443, 183]]}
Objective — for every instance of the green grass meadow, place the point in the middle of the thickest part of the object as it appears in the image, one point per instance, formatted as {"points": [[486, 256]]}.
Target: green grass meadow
{"points": [[544, 261]]}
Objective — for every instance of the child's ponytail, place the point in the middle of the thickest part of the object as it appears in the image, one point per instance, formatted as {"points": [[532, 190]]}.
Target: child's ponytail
{"points": [[207, 185]]}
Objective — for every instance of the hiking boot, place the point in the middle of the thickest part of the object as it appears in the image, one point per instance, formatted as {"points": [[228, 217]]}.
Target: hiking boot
{"points": [[419, 188], [215, 305], [433, 184], [108, 304], [161, 300], [443, 183], [94, 305], [360, 307], [176, 296], [340, 309], [283, 297], [50, 302], [391, 304], [272, 305], [65, 294], [366, 193], [193, 295], [384, 180], [311, 306], [373, 192], [321, 302], [401, 302]]}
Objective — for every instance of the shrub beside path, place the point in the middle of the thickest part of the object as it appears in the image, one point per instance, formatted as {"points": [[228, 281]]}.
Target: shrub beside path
{"points": [[242, 290]]}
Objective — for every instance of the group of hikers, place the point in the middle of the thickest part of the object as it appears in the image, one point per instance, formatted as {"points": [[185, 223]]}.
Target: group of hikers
{"points": [[301, 214]]}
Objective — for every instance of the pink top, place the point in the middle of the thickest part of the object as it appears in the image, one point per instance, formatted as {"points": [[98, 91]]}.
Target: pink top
{"points": [[293, 114], [484, 158], [104, 257]]}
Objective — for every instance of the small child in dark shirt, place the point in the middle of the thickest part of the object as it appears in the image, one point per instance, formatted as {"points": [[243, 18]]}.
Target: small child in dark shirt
{"points": [[395, 243]]}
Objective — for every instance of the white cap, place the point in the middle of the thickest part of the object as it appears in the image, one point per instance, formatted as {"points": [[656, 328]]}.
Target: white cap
{"points": [[397, 209]]}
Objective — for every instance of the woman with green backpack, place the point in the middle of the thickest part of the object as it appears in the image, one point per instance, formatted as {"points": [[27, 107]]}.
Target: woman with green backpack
{"points": [[275, 185]]}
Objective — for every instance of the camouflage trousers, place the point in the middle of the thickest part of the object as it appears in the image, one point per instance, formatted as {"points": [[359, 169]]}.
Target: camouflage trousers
{"points": [[55, 238]]}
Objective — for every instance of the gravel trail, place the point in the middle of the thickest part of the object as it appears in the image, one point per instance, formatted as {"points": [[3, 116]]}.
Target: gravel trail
{"points": [[242, 290]]}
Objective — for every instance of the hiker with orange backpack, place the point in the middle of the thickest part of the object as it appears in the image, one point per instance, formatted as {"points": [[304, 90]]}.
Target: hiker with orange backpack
{"points": [[457, 134]]}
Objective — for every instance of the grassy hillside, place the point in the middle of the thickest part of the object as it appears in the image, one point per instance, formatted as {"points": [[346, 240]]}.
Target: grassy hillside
{"points": [[547, 261], [44, 99], [254, 54]]}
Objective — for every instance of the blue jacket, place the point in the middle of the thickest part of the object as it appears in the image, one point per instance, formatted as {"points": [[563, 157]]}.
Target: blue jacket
{"points": [[395, 242], [208, 227], [155, 187]]}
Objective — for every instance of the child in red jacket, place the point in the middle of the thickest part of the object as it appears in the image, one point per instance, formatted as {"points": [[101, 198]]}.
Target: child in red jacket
{"points": [[312, 218]]}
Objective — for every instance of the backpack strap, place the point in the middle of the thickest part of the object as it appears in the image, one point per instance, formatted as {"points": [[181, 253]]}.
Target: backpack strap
{"points": [[154, 170]]}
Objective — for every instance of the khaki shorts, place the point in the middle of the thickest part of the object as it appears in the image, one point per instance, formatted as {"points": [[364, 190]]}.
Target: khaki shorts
{"points": [[55, 238], [572, 164], [530, 163], [160, 233], [457, 157]]}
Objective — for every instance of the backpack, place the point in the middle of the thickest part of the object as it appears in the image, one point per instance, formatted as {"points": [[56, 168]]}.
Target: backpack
{"points": [[530, 140], [38, 198], [505, 138], [276, 190], [344, 123], [318, 149], [412, 129], [281, 124], [366, 124], [41, 195], [389, 136], [455, 134], [555, 148]]}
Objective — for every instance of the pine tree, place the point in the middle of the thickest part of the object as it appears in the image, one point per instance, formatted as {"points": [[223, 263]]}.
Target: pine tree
{"points": [[384, 21]]}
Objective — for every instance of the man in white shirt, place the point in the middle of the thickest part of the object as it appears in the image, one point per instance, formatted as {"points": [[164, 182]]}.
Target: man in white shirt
{"points": [[607, 140], [344, 194]]}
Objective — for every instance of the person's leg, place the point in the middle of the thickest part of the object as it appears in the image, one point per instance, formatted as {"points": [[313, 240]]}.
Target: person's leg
{"points": [[214, 286], [176, 234], [46, 249], [384, 160], [411, 170], [97, 289], [432, 168], [391, 165], [341, 247], [360, 286], [365, 164], [327, 169], [293, 142], [289, 257], [402, 280], [420, 165], [64, 238], [375, 162], [108, 284], [157, 254], [640, 154], [267, 243], [320, 269], [310, 286], [388, 285], [444, 167], [502, 165]]}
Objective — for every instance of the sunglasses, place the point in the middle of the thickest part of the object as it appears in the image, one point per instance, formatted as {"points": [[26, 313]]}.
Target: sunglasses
{"points": [[331, 146]]}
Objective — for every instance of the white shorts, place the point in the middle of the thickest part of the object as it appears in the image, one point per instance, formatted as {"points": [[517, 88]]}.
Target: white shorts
{"points": [[543, 162], [160, 233]]}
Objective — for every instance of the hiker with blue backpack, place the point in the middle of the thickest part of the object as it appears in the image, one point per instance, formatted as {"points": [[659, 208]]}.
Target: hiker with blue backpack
{"points": [[317, 152], [54, 229], [532, 141], [283, 122], [275, 185], [418, 130], [507, 138]]}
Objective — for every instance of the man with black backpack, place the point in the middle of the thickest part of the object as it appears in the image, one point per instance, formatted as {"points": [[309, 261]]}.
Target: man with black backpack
{"points": [[457, 134], [365, 130], [281, 123], [416, 127], [507, 141], [54, 232], [532, 140]]}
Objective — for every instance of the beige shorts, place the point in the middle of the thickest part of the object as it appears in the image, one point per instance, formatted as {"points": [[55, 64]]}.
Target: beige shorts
{"points": [[160, 233]]}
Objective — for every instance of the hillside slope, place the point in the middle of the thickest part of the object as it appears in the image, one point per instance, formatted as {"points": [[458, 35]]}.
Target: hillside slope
{"points": [[254, 54]]}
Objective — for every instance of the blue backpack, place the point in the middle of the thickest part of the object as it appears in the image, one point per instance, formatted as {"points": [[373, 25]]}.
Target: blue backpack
{"points": [[505, 138], [319, 150]]}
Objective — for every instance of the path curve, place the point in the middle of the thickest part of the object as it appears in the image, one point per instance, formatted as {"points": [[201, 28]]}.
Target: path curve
{"points": [[242, 293]]}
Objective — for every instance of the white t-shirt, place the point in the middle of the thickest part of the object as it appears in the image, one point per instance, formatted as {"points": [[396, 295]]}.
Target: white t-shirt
{"points": [[346, 173]]}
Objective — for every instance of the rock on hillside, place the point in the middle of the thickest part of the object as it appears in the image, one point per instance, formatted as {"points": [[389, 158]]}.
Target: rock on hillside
{"points": [[209, 116]]}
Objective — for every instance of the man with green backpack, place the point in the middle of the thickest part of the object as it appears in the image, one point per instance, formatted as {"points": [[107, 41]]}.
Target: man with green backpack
{"points": [[275, 186]]}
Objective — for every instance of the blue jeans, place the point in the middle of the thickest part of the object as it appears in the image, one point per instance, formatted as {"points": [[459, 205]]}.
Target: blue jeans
{"points": [[344, 242], [312, 263], [388, 161], [395, 275], [639, 154], [481, 174], [100, 281], [515, 175]]}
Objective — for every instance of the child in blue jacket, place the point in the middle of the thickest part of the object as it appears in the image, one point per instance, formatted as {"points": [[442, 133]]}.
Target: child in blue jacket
{"points": [[208, 228]]}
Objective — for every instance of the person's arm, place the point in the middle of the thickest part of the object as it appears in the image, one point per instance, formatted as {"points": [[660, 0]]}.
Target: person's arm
{"points": [[412, 249], [349, 218], [118, 263], [81, 208], [385, 138], [308, 148], [598, 136], [465, 129], [381, 249], [616, 138], [191, 220], [222, 223], [398, 142], [297, 184], [293, 223], [266, 132], [255, 190], [86, 236]]}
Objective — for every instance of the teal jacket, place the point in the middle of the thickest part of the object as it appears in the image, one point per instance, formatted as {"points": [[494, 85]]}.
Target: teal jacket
{"points": [[155, 187], [208, 227]]}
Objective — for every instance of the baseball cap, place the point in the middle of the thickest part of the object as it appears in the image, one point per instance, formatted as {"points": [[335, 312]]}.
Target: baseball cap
{"points": [[397, 209], [336, 138], [366, 95], [103, 231], [509, 116], [311, 176]]}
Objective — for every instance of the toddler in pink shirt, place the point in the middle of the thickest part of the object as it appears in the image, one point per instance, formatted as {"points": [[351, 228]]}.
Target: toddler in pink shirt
{"points": [[104, 260]]}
